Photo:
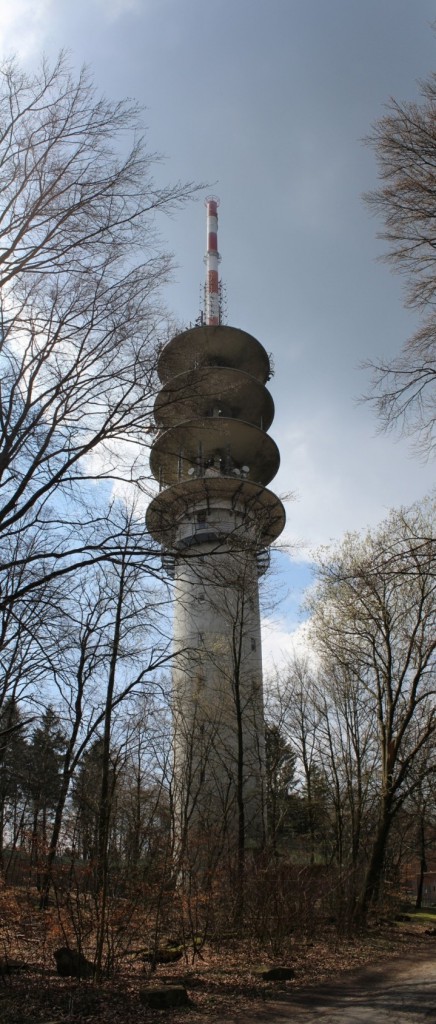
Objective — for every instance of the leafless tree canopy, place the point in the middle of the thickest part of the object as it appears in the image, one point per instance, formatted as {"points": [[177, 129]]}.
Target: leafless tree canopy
{"points": [[71, 199], [405, 144], [374, 625], [81, 269]]}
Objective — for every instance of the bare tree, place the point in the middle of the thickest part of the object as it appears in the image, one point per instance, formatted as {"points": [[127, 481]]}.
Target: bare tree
{"points": [[81, 314], [113, 640], [350, 757], [13, 754], [143, 790], [404, 140], [329, 722], [280, 762], [293, 704], [70, 197], [374, 617]]}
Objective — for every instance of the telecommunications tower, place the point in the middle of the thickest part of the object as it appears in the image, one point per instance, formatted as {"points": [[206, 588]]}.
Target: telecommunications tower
{"points": [[215, 518]]}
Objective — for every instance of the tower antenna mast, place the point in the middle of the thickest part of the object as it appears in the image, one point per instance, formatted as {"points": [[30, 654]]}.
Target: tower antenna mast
{"points": [[212, 290]]}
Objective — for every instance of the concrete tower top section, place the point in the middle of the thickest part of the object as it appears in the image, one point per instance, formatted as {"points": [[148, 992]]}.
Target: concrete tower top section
{"points": [[213, 456], [214, 346]]}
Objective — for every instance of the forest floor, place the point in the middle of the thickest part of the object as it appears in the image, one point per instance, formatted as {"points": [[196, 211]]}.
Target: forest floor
{"points": [[222, 981]]}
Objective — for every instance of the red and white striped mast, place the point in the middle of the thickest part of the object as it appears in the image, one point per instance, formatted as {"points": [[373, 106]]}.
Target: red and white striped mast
{"points": [[212, 298]]}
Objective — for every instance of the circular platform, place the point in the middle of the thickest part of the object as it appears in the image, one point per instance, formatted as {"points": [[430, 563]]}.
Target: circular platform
{"points": [[214, 346], [178, 449], [170, 505], [196, 392]]}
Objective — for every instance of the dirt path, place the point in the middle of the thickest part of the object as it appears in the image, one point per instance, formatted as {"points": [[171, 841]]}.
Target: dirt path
{"points": [[398, 992]]}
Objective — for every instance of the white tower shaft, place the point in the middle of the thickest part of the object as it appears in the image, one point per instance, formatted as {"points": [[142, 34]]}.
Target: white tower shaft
{"points": [[217, 692]]}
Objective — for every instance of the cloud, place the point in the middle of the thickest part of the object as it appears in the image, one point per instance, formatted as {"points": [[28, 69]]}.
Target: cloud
{"points": [[112, 10], [123, 463], [281, 641], [344, 475], [23, 26]]}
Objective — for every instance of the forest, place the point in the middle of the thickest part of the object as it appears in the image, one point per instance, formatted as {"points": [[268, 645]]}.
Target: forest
{"points": [[86, 784]]}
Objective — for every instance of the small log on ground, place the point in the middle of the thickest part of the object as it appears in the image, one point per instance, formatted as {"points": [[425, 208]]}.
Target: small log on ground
{"points": [[164, 997], [276, 973]]}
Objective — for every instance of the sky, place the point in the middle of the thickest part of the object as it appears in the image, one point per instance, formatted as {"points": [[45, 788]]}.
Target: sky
{"points": [[268, 102]]}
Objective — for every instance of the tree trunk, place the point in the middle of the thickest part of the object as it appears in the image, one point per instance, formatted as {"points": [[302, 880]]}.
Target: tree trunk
{"points": [[106, 794], [422, 865], [371, 885], [56, 831], [240, 796]]}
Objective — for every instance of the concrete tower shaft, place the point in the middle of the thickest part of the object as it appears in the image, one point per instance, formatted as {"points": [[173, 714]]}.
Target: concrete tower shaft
{"points": [[217, 692], [215, 518]]}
